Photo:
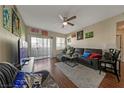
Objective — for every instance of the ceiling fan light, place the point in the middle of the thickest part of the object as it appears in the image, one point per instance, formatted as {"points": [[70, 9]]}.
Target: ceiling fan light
{"points": [[65, 23]]}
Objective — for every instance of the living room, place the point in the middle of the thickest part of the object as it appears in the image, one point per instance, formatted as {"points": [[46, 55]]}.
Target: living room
{"points": [[30, 32]]}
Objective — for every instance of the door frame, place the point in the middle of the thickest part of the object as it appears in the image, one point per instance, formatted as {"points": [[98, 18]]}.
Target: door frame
{"points": [[121, 47]]}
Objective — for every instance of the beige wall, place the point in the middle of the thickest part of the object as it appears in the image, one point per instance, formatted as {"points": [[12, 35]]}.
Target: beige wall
{"points": [[50, 34], [0, 17], [9, 42], [104, 34], [8, 47]]}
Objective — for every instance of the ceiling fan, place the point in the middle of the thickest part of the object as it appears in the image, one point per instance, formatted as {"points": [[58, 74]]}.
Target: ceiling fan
{"points": [[66, 20]]}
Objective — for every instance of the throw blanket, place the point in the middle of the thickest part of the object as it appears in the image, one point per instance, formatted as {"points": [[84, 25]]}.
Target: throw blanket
{"points": [[7, 74]]}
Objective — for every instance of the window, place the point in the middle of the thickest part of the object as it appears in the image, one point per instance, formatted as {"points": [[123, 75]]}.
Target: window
{"points": [[60, 43]]}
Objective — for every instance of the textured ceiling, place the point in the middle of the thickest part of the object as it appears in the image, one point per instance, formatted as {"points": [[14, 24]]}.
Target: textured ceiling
{"points": [[46, 16]]}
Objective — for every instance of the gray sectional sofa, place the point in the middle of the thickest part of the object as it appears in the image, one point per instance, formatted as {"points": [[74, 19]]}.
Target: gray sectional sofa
{"points": [[92, 63]]}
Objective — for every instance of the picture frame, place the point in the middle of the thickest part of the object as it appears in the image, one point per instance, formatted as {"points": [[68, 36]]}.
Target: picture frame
{"points": [[7, 18], [89, 35], [44, 33], [80, 35], [15, 24]]}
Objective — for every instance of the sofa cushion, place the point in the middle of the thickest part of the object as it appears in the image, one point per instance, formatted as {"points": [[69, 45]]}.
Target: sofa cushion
{"points": [[79, 50], [86, 54]]}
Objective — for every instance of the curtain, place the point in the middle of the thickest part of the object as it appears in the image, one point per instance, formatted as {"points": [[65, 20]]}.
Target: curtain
{"points": [[41, 47]]}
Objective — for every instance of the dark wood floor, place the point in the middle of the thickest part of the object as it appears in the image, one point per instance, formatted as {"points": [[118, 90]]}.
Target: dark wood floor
{"points": [[109, 80]]}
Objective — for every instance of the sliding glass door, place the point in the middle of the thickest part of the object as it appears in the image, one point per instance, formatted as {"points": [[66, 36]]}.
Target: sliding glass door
{"points": [[41, 47]]}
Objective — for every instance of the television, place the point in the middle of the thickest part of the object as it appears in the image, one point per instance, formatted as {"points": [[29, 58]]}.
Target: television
{"points": [[22, 51]]}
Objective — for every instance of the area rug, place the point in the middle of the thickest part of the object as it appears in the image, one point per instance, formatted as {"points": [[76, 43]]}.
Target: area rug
{"points": [[82, 76]]}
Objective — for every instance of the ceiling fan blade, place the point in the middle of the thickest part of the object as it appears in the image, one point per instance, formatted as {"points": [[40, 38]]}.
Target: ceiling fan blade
{"points": [[73, 17], [60, 16], [70, 24]]}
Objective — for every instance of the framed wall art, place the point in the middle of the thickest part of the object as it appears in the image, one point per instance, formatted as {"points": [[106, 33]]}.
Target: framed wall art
{"points": [[22, 30], [89, 35], [15, 24], [7, 17], [80, 35]]}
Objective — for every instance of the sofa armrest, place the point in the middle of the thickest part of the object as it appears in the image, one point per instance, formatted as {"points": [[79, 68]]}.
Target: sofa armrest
{"points": [[8, 71]]}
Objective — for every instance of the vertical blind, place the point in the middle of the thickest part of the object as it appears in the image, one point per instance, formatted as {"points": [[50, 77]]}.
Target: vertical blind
{"points": [[40, 47]]}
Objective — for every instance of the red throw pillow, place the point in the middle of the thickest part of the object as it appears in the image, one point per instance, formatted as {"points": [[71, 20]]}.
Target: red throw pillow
{"points": [[94, 55]]}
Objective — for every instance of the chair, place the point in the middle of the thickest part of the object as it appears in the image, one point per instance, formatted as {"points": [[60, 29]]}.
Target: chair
{"points": [[68, 51], [111, 50], [111, 63]]}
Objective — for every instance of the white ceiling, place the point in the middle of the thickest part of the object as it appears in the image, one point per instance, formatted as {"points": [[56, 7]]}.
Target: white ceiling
{"points": [[46, 16]]}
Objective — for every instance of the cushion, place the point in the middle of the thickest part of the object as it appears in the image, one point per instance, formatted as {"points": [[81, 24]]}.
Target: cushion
{"points": [[19, 81], [86, 54], [70, 51], [88, 51], [94, 55]]}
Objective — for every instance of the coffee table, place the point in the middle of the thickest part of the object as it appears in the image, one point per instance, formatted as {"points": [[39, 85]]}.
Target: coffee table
{"points": [[71, 61]]}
